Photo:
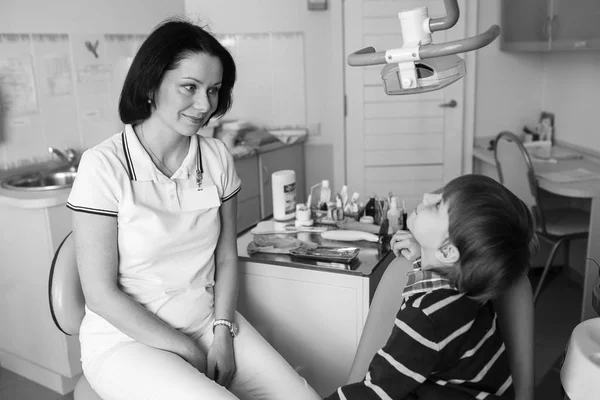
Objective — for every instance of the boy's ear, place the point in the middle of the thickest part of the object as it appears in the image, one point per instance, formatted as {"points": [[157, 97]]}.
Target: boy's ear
{"points": [[447, 254]]}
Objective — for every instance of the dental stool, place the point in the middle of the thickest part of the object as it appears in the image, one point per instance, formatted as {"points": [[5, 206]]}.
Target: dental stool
{"points": [[67, 303], [580, 372]]}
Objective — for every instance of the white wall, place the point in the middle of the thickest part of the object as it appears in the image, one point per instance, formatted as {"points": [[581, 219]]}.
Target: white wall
{"points": [[508, 86], [54, 91], [323, 68], [572, 92], [85, 16], [513, 88]]}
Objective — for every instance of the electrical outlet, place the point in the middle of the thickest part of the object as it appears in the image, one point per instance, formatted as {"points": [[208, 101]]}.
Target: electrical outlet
{"points": [[314, 129]]}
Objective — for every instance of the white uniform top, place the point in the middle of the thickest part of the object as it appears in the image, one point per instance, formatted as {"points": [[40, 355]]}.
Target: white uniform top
{"points": [[167, 228]]}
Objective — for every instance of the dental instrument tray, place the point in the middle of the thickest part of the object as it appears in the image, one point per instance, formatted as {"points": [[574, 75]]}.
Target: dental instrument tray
{"points": [[338, 254]]}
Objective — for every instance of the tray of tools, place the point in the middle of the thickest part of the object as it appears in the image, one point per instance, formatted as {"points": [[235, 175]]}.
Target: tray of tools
{"points": [[335, 254]]}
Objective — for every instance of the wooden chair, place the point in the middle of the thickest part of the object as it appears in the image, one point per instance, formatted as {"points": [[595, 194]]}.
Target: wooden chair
{"points": [[555, 226], [67, 303]]}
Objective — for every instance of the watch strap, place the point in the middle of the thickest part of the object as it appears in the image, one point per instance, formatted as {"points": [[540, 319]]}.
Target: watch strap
{"points": [[230, 325]]}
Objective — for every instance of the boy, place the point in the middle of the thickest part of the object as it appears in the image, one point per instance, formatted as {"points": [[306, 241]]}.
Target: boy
{"points": [[473, 243]]}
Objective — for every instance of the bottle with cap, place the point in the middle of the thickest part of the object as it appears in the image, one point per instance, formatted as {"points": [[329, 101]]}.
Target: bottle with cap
{"points": [[394, 216], [325, 193], [404, 216]]}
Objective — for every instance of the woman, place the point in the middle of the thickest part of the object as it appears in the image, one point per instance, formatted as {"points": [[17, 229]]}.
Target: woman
{"points": [[155, 233]]}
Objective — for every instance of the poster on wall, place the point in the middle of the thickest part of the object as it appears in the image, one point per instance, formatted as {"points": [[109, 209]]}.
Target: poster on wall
{"points": [[93, 75], [56, 91], [120, 50], [17, 87], [17, 82], [19, 104]]}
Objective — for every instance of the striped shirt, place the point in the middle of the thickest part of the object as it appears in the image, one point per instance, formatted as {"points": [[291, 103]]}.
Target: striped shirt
{"points": [[442, 341]]}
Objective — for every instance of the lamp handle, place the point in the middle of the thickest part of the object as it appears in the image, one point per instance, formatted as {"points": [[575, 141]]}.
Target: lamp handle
{"points": [[460, 46]]}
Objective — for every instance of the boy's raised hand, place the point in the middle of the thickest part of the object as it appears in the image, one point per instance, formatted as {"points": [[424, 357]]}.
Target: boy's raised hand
{"points": [[403, 242]]}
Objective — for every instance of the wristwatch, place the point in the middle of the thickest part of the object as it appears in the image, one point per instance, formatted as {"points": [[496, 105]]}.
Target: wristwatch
{"points": [[233, 328]]}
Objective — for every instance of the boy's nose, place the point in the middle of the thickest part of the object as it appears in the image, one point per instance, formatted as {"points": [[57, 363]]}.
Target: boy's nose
{"points": [[431, 198]]}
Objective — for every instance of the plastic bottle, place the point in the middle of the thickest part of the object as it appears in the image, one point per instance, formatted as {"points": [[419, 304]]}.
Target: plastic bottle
{"points": [[344, 195], [284, 194], [325, 193], [394, 215]]}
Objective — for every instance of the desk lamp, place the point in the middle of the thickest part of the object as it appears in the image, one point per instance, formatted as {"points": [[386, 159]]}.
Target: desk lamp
{"points": [[419, 65]]}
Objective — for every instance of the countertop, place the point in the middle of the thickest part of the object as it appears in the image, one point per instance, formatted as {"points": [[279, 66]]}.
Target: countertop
{"points": [[372, 256], [58, 197]]}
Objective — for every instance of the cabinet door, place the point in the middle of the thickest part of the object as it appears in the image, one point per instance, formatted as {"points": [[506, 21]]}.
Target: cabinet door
{"points": [[314, 319], [525, 25], [248, 200], [575, 25], [291, 157]]}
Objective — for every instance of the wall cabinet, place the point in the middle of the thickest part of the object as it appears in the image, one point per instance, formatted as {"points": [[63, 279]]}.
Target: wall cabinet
{"points": [[291, 157], [550, 25], [248, 199], [255, 200]]}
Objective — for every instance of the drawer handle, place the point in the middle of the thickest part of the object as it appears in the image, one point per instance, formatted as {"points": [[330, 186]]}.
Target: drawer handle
{"points": [[266, 174]]}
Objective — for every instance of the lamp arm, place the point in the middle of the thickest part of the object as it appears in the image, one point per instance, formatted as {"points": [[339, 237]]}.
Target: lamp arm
{"points": [[459, 46], [447, 22]]}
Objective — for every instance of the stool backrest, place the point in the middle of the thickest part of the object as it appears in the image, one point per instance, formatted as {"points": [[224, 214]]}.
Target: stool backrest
{"points": [[515, 172], [67, 303]]}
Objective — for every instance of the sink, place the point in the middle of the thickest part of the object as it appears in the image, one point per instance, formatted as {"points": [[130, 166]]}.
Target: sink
{"points": [[37, 181]]}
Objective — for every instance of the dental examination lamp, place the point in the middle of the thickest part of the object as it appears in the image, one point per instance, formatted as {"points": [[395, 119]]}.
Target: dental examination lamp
{"points": [[419, 65]]}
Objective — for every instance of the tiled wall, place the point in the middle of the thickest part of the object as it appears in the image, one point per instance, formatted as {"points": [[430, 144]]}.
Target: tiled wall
{"points": [[62, 90]]}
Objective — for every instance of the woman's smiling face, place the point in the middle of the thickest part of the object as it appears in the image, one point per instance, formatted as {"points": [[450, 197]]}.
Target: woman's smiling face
{"points": [[188, 95], [429, 222]]}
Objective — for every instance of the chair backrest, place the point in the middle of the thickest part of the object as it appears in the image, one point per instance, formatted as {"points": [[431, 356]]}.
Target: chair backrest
{"points": [[67, 303], [382, 314], [516, 173]]}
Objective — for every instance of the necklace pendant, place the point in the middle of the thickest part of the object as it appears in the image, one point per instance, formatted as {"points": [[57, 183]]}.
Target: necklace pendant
{"points": [[199, 179]]}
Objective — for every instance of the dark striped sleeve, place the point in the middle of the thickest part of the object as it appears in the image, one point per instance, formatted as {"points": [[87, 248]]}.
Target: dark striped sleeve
{"points": [[403, 364]]}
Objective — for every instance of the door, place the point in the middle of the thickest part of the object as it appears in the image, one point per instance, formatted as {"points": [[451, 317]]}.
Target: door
{"points": [[404, 144]]}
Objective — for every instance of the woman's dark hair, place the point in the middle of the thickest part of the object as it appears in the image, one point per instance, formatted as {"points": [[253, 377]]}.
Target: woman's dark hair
{"points": [[494, 232], [169, 43]]}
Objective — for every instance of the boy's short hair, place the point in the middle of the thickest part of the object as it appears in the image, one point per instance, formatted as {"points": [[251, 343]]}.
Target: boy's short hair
{"points": [[170, 42], [493, 230]]}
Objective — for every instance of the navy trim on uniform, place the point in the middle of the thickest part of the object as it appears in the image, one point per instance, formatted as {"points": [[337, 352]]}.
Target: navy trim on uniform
{"points": [[132, 175], [92, 210], [224, 199]]}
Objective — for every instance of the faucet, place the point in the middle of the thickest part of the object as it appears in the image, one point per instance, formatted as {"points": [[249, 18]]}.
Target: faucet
{"points": [[70, 156]]}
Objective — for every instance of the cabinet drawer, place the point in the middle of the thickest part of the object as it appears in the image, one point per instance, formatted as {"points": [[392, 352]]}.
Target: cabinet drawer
{"points": [[248, 212], [247, 169]]}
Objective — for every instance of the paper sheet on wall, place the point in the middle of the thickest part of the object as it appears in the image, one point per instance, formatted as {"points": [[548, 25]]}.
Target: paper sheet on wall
{"points": [[55, 79], [93, 74], [17, 87]]}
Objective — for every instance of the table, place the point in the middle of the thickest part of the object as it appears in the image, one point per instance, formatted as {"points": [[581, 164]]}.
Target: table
{"points": [[589, 189]]}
